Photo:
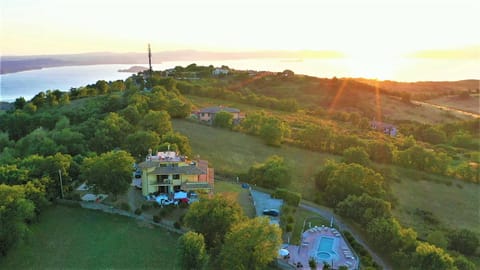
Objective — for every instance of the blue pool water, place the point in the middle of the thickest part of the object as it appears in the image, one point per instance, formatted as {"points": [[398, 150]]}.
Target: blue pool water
{"points": [[325, 249], [326, 244]]}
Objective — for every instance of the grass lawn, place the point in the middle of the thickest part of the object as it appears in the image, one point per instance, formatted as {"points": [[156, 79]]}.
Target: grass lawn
{"points": [[455, 206], [234, 153], [310, 219], [76, 238], [241, 194]]}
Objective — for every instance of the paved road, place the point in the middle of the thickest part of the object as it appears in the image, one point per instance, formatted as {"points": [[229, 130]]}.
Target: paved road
{"points": [[342, 226]]}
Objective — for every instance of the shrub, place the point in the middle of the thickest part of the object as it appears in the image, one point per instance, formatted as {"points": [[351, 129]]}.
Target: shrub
{"points": [[163, 212], [290, 219], [288, 228], [124, 206], [177, 225], [146, 207], [138, 211], [157, 218], [290, 197]]}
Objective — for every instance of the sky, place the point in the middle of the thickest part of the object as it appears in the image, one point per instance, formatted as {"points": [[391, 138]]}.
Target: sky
{"points": [[377, 31]]}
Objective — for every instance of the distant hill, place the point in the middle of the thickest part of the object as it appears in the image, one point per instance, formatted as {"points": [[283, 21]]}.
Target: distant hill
{"points": [[424, 90], [5, 106], [10, 64]]}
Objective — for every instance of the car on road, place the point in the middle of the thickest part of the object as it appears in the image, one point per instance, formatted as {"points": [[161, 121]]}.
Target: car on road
{"points": [[271, 212]]}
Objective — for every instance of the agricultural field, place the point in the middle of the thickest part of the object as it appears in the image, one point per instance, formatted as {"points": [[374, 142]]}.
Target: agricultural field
{"points": [[243, 151], [452, 205], [469, 103], [76, 238], [441, 195]]}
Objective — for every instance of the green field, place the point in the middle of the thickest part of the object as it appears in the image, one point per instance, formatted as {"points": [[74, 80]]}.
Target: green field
{"points": [[234, 153], [76, 238], [455, 206]]}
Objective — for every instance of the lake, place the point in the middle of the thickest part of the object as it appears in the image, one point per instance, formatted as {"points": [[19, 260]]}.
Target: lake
{"points": [[29, 83]]}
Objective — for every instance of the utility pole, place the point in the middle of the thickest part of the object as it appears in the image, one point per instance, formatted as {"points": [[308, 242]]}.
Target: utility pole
{"points": [[61, 183]]}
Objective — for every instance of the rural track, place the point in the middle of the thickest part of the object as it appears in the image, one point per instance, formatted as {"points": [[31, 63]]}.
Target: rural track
{"points": [[342, 226]]}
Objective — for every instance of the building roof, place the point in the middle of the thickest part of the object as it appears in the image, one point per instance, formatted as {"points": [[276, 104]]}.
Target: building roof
{"points": [[190, 186], [216, 109], [189, 170]]}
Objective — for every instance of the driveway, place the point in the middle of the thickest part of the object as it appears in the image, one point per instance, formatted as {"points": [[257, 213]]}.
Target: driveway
{"points": [[262, 201]]}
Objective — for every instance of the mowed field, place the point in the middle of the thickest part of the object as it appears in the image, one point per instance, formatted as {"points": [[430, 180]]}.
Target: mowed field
{"points": [[234, 152], [76, 238], [455, 206], [468, 104]]}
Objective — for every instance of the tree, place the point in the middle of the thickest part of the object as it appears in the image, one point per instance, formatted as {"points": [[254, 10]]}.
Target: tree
{"points": [[253, 122], [12, 175], [5, 141], [463, 263], [364, 208], [178, 108], [68, 141], [15, 210], [251, 244], [386, 233], [463, 241], [271, 174], [381, 151], [102, 87], [434, 135], [318, 137], [438, 239], [223, 119], [139, 142], [428, 256], [273, 131], [191, 251], [110, 133], [352, 179], [36, 142], [110, 172], [356, 155], [157, 121], [213, 217], [178, 140], [19, 103], [46, 169]]}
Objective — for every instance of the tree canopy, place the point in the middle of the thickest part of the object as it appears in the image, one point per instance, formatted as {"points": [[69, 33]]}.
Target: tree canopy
{"points": [[110, 172], [213, 217], [251, 244]]}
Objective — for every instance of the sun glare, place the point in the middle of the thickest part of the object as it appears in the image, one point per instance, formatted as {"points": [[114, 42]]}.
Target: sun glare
{"points": [[373, 65]]}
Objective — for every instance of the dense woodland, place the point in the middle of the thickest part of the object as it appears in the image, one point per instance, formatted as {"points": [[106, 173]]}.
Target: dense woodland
{"points": [[103, 128]]}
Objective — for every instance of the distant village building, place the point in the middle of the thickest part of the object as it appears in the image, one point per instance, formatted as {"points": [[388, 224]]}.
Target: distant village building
{"points": [[208, 114], [220, 71], [388, 129], [167, 172]]}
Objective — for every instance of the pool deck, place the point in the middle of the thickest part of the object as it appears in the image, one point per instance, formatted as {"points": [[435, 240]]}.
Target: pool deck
{"points": [[309, 246]]}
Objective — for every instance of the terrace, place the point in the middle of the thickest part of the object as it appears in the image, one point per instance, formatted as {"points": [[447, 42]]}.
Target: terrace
{"points": [[324, 244]]}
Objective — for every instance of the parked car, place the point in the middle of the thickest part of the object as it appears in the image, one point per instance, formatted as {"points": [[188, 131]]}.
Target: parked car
{"points": [[271, 212], [168, 202]]}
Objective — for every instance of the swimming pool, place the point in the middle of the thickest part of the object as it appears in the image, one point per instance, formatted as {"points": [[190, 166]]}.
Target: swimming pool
{"points": [[325, 249]]}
